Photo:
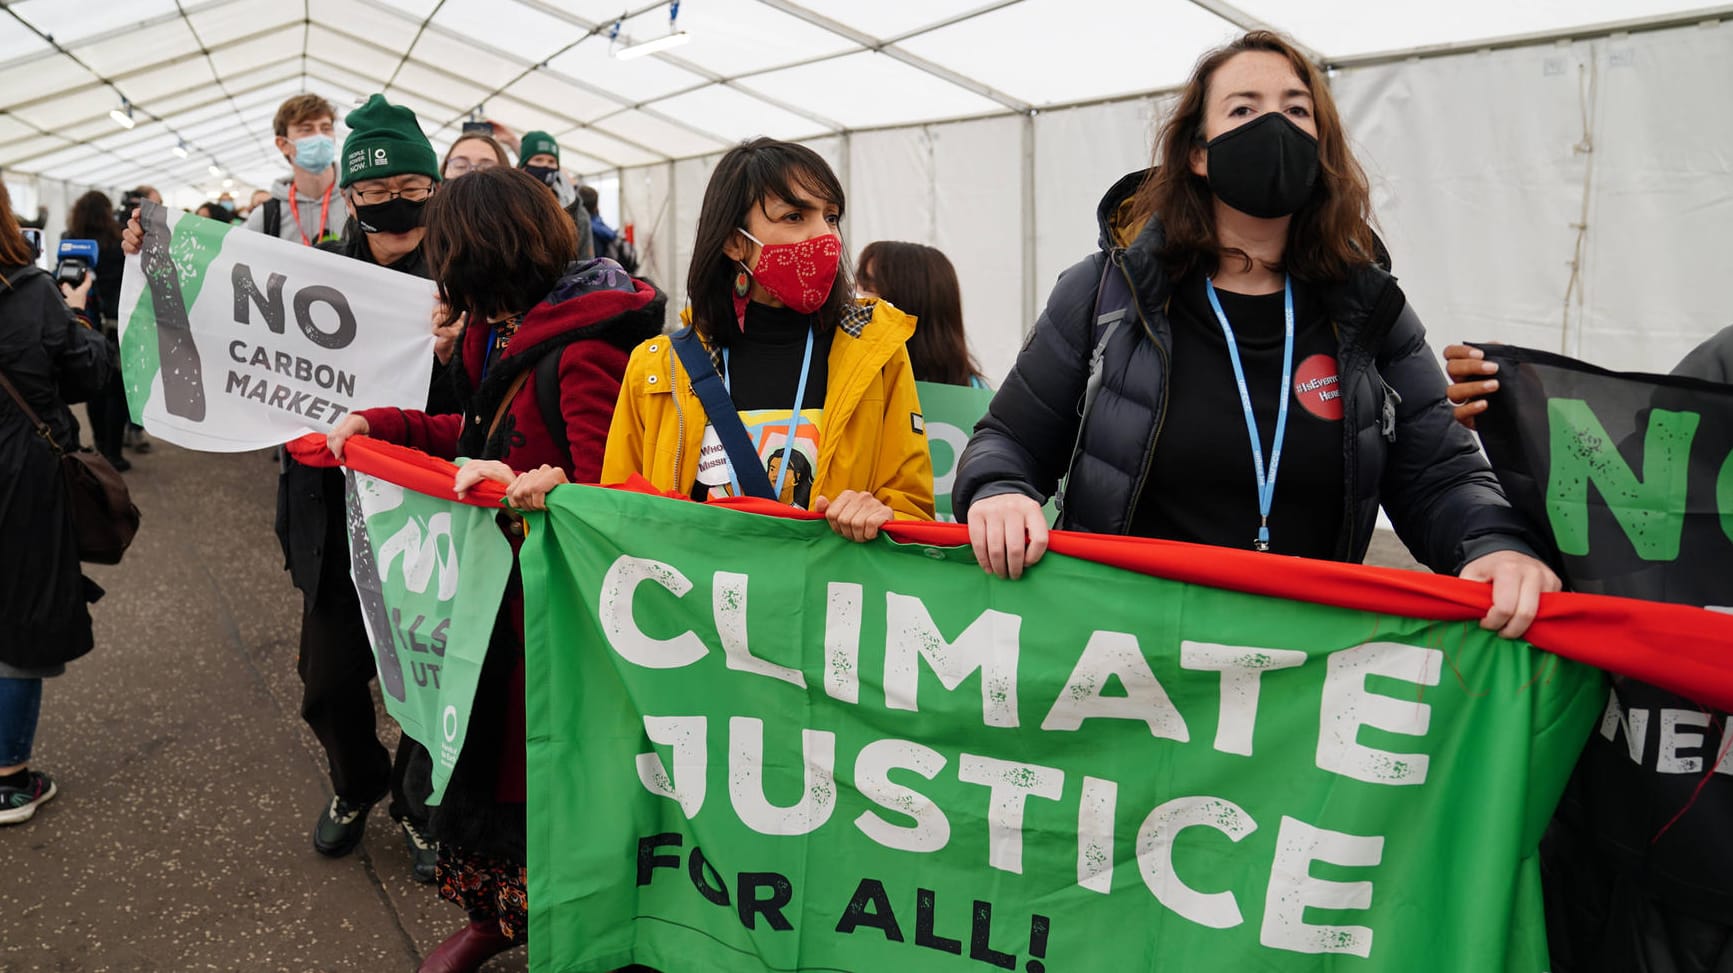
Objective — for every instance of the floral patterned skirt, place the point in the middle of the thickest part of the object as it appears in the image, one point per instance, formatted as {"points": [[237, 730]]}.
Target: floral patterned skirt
{"points": [[487, 888]]}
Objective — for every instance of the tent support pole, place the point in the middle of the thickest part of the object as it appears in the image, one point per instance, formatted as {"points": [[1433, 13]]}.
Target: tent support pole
{"points": [[1029, 295]]}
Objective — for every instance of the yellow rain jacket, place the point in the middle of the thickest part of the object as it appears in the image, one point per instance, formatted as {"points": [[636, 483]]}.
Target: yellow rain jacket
{"points": [[873, 437]]}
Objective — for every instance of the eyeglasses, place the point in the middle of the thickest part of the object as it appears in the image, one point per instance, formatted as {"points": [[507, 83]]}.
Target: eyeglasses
{"points": [[460, 166], [371, 197]]}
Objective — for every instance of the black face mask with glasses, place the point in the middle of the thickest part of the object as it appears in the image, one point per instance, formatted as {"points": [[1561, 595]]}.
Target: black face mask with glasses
{"points": [[385, 211]]}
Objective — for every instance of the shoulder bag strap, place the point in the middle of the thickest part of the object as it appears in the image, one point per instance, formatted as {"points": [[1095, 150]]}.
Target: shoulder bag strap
{"points": [[724, 418], [1113, 302], [35, 421]]}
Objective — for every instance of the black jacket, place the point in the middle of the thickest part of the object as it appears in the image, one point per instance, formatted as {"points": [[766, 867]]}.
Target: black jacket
{"points": [[1424, 468], [307, 496], [53, 360]]}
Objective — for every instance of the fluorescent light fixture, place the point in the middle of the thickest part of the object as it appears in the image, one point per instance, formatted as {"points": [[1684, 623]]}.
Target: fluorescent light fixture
{"points": [[228, 184], [213, 169], [663, 43], [180, 151], [123, 115]]}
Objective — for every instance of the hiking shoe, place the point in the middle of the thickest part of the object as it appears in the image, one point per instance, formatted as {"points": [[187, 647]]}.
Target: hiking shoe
{"points": [[423, 853], [19, 804], [340, 827]]}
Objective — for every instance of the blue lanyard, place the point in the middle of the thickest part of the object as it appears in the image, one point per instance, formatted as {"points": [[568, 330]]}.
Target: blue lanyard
{"points": [[793, 419], [1266, 486]]}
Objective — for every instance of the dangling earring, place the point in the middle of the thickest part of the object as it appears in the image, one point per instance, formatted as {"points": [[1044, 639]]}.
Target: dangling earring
{"points": [[742, 286]]}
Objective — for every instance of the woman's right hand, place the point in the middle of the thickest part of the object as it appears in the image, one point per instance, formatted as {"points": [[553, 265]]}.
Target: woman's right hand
{"points": [[132, 238], [352, 425], [1008, 533], [1468, 369]]}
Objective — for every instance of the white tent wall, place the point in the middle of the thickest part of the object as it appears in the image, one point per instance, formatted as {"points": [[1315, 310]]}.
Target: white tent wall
{"points": [[1487, 168], [56, 196], [1478, 188]]}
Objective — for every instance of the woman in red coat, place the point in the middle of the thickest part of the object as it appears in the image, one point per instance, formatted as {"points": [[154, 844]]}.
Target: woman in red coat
{"points": [[540, 361]]}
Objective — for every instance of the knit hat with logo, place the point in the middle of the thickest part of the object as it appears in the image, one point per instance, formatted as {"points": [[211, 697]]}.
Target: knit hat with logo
{"points": [[537, 143], [385, 140]]}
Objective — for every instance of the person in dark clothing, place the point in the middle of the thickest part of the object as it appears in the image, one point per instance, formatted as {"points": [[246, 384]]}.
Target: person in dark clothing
{"points": [[92, 218], [53, 357], [336, 661], [920, 280], [1258, 315], [502, 252], [1636, 865]]}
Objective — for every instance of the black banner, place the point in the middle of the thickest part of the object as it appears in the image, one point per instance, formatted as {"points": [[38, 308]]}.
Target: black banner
{"points": [[1632, 477]]}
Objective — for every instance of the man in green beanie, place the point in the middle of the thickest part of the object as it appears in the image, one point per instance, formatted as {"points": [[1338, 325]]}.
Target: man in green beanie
{"points": [[387, 171], [539, 155]]}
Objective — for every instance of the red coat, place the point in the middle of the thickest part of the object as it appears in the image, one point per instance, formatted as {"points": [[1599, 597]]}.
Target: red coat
{"points": [[592, 320]]}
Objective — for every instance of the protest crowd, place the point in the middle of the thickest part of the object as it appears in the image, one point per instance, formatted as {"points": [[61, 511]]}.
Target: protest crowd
{"points": [[1242, 257]]}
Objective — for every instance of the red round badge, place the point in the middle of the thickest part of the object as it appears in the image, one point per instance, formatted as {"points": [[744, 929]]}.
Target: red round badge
{"points": [[1317, 387]]}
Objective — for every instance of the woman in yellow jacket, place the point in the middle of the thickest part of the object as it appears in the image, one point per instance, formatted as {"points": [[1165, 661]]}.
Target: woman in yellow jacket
{"points": [[814, 391]]}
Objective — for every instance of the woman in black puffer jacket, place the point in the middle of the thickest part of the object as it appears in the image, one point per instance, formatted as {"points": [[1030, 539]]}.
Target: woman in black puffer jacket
{"points": [[1248, 339]]}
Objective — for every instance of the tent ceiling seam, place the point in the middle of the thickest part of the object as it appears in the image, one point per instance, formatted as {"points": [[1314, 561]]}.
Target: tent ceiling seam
{"points": [[109, 35], [911, 59], [1246, 22], [528, 66], [410, 48], [76, 60], [216, 73]]}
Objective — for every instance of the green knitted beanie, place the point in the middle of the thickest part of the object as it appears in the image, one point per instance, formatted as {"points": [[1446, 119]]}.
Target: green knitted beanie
{"points": [[385, 140], [536, 143]]}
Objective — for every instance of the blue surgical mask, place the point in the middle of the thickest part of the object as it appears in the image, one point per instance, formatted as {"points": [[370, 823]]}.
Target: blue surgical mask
{"points": [[315, 152]]}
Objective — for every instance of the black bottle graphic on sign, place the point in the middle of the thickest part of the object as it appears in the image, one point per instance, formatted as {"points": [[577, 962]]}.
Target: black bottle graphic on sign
{"points": [[369, 586], [183, 377]]}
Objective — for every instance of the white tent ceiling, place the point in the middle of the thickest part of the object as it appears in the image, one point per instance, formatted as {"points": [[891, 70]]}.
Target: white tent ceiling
{"points": [[209, 74]]}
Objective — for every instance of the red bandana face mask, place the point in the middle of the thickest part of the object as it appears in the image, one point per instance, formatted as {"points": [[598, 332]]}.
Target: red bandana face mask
{"points": [[799, 275]]}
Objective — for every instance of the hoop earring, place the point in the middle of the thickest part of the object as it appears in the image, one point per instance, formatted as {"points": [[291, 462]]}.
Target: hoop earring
{"points": [[742, 287]]}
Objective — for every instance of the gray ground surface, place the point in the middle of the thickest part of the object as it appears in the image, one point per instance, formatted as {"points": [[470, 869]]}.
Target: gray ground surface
{"points": [[180, 839]]}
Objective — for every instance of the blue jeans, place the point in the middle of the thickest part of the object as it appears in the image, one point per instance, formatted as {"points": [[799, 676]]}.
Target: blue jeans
{"points": [[20, 704]]}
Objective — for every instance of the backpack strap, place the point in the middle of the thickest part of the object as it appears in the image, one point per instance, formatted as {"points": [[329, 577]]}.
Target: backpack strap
{"points": [[274, 216], [1113, 303], [724, 418], [548, 398]]}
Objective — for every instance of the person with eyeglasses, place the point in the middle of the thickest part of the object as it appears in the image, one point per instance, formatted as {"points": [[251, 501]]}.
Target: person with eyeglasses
{"points": [[473, 152]]}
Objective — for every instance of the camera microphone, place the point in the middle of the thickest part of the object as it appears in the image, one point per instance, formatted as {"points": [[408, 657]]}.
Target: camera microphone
{"points": [[76, 258]]}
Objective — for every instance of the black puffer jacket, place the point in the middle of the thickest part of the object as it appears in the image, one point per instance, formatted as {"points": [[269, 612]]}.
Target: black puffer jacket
{"points": [[1401, 448], [53, 361]]}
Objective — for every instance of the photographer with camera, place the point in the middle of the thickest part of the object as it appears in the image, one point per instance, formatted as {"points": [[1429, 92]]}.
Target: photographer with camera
{"points": [[90, 247], [50, 357]]}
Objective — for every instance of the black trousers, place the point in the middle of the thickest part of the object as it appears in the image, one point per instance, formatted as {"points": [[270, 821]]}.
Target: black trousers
{"points": [[108, 417], [1602, 917], [336, 665]]}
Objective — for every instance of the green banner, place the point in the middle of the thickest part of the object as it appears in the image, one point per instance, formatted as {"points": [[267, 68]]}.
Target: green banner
{"points": [[950, 413], [430, 573], [756, 746]]}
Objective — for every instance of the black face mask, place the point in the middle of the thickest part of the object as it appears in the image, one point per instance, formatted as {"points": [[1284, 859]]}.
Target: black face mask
{"points": [[549, 175], [393, 216], [1265, 168]]}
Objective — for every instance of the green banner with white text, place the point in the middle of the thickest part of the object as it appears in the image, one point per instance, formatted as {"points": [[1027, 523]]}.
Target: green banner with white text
{"points": [[430, 573], [756, 746]]}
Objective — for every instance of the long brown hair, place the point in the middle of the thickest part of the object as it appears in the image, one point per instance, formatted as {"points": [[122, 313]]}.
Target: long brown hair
{"points": [[497, 242], [492, 143], [14, 250], [747, 175], [920, 280], [1329, 236], [92, 218]]}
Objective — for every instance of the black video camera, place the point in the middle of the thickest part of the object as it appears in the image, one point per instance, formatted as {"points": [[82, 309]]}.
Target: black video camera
{"points": [[76, 258], [33, 237]]}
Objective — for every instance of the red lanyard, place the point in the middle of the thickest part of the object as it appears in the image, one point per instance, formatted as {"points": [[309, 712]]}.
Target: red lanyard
{"points": [[324, 213]]}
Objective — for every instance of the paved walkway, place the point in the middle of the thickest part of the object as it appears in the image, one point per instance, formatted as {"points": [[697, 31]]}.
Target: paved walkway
{"points": [[188, 783], [180, 840]]}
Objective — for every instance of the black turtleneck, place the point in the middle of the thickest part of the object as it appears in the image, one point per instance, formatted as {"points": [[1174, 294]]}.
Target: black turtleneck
{"points": [[1201, 485], [764, 361]]}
